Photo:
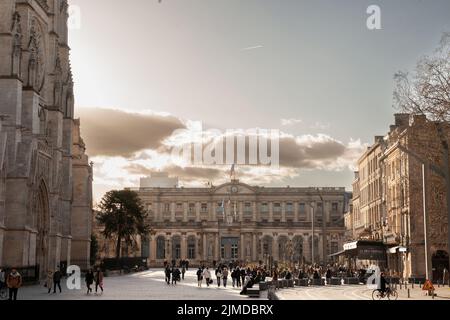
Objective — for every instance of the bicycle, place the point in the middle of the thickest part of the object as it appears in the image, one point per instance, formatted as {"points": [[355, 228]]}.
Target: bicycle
{"points": [[391, 294]]}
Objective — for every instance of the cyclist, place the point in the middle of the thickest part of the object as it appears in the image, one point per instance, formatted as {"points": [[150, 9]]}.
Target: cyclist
{"points": [[383, 283]]}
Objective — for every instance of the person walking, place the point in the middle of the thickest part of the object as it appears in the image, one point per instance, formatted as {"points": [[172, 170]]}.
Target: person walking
{"points": [[207, 276], [98, 280], [218, 276], [168, 273], [183, 270], [199, 277], [243, 274], [89, 280], [225, 277], [57, 280], [175, 275], [49, 281], [14, 282]]}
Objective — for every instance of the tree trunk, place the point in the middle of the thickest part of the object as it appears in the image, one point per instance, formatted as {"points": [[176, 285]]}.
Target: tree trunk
{"points": [[118, 245]]}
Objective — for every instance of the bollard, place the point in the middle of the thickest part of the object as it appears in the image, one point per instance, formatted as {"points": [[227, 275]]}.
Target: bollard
{"points": [[409, 294], [400, 286], [412, 285]]}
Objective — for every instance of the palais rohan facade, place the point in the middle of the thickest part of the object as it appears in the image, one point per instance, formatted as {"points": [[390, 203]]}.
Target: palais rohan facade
{"points": [[236, 222]]}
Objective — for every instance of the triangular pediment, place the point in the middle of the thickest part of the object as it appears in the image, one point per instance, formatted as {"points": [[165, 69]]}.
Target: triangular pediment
{"points": [[234, 188]]}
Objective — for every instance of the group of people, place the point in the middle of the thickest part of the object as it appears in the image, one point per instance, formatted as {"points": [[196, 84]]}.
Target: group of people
{"points": [[241, 276], [96, 277], [13, 281]]}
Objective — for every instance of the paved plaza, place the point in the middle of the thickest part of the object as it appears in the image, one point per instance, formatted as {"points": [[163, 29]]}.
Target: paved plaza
{"points": [[148, 285], [354, 292]]}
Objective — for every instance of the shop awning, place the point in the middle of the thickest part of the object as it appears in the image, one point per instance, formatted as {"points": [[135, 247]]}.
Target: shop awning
{"points": [[397, 249]]}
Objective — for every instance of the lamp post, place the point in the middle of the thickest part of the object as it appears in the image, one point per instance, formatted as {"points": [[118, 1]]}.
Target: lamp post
{"points": [[312, 232]]}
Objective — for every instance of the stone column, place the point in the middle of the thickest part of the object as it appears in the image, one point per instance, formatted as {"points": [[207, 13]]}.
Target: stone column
{"points": [[169, 249], [217, 247], [205, 247], [283, 211], [295, 204], [254, 248], [270, 211], [152, 249], [242, 249], [306, 247], [172, 212], [185, 211], [275, 248], [213, 216], [241, 211], [183, 246], [197, 212]]}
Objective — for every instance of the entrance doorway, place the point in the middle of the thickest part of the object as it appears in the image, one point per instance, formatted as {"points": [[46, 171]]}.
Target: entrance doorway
{"points": [[229, 248], [439, 262]]}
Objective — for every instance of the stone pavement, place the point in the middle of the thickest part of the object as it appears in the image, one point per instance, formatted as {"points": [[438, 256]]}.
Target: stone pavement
{"points": [[147, 285], [354, 292]]}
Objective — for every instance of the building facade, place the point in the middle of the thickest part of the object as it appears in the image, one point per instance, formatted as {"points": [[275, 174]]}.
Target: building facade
{"points": [[45, 176], [395, 215], [239, 222]]}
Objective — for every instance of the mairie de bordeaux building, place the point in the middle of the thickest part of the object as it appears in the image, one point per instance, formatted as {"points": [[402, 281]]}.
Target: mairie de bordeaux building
{"points": [[243, 223]]}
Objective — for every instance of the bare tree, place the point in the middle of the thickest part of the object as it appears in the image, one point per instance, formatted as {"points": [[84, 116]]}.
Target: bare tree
{"points": [[427, 92]]}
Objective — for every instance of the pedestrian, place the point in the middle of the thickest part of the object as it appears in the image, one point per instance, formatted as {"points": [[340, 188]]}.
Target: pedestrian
{"points": [[89, 280], [225, 277], [238, 276], [175, 275], [168, 273], [243, 273], [218, 276], [183, 270], [207, 276], [233, 277], [14, 282], [49, 281], [98, 280], [57, 280], [199, 276]]}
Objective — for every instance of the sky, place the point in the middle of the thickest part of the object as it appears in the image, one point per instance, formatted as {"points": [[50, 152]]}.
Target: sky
{"points": [[148, 74]]}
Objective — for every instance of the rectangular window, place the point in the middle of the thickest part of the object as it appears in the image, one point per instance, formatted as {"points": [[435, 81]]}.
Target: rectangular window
{"points": [[277, 207], [248, 207], [264, 207], [334, 207], [167, 207], [191, 207], [289, 207], [302, 211], [204, 207]]}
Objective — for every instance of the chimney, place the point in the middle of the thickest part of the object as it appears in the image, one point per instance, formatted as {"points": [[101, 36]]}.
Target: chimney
{"points": [[402, 119], [379, 139]]}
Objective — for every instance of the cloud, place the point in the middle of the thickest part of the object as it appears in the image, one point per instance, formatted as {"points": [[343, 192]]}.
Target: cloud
{"points": [[184, 173], [112, 132], [290, 122], [252, 48]]}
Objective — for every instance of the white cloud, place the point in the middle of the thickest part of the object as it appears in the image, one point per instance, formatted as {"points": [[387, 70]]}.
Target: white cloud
{"points": [[290, 122]]}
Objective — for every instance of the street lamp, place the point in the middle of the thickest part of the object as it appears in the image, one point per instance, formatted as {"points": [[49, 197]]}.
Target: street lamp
{"points": [[312, 232]]}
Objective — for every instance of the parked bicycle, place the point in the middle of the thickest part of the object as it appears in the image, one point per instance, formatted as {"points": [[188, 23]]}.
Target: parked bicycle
{"points": [[390, 293]]}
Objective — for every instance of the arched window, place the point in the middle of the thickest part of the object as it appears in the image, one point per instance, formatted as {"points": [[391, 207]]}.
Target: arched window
{"points": [[160, 247], [176, 247], [191, 247]]}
